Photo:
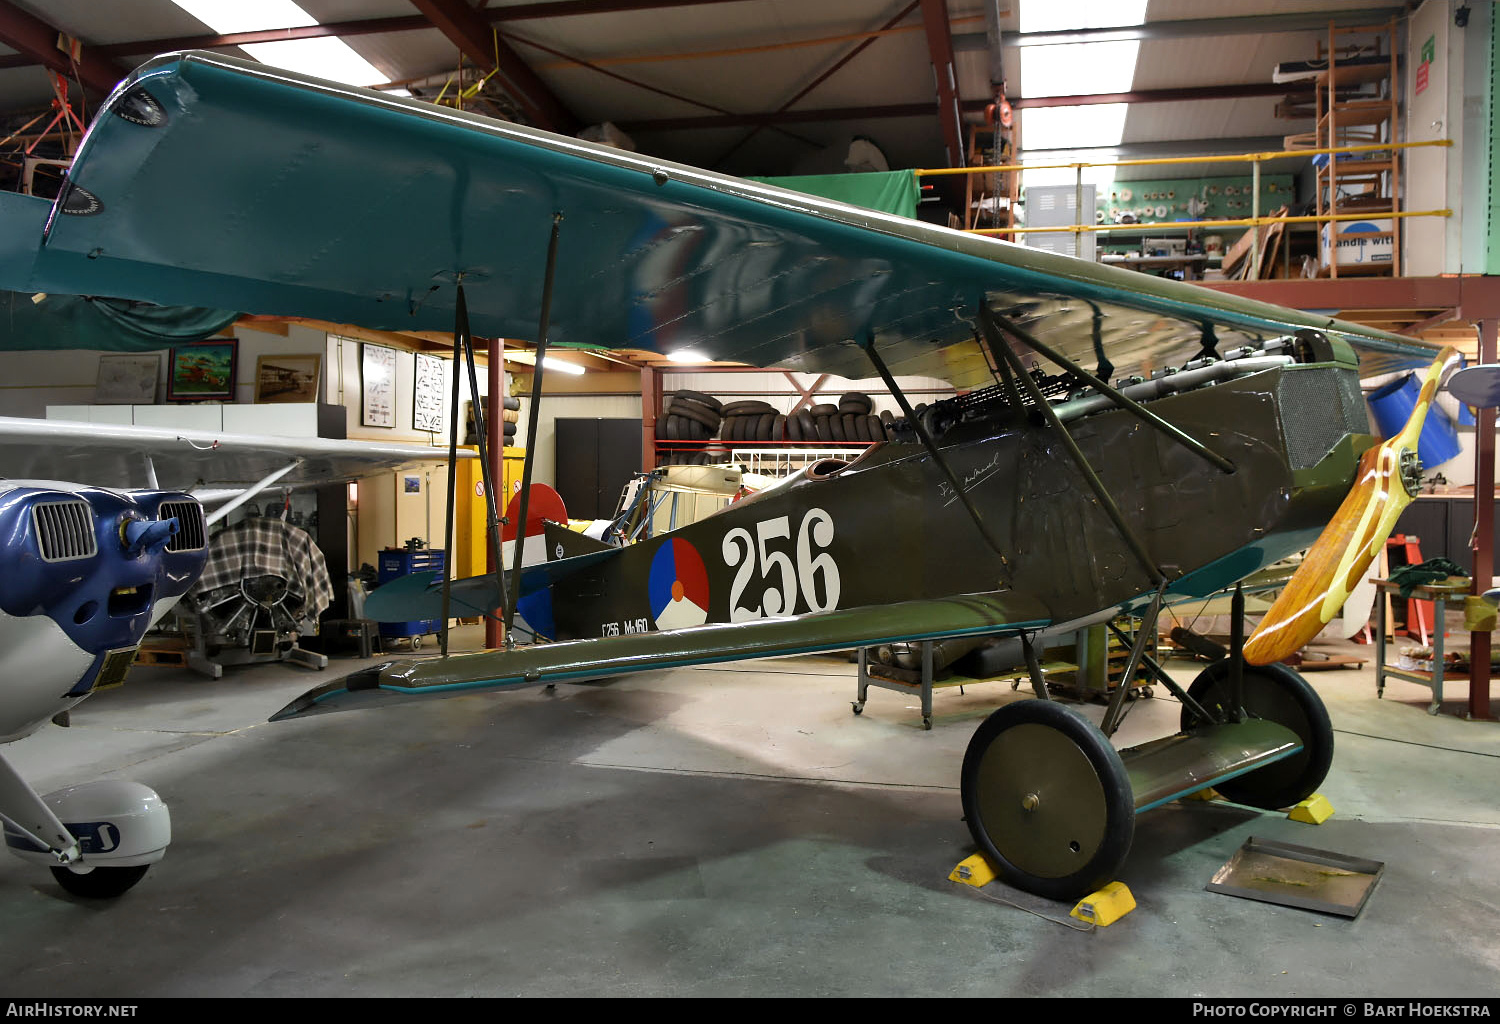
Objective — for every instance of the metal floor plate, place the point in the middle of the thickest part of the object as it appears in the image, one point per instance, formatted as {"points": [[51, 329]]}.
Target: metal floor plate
{"points": [[1298, 876]]}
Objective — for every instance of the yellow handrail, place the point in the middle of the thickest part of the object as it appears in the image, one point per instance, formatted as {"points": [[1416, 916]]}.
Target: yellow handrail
{"points": [[1215, 159], [1242, 222]]}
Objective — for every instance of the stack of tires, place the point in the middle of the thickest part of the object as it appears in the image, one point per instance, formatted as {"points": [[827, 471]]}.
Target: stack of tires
{"points": [[691, 416], [849, 421], [510, 415], [753, 421]]}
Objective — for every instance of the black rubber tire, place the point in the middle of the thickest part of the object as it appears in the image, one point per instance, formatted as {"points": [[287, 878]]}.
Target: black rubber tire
{"points": [[1087, 862], [512, 402], [862, 429], [793, 427], [763, 426], [674, 428], [778, 428], [808, 423], [825, 410], [887, 417], [737, 431], [851, 426], [101, 883], [875, 427], [697, 396], [693, 411], [836, 427], [856, 401], [822, 428], [508, 429], [661, 428], [749, 408], [1277, 694]]}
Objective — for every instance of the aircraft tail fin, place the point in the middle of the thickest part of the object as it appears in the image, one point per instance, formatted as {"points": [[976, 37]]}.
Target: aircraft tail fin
{"points": [[420, 594]]}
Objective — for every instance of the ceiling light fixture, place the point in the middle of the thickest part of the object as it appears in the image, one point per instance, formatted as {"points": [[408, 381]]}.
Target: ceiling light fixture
{"points": [[686, 355]]}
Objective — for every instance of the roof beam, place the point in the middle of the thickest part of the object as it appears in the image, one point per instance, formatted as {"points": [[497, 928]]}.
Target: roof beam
{"points": [[483, 45], [935, 21], [1203, 92], [1193, 28], [36, 39], [370, 26]]}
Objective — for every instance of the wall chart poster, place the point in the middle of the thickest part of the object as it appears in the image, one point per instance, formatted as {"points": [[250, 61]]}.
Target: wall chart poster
{"points": [[377, 371], [427, 393]]}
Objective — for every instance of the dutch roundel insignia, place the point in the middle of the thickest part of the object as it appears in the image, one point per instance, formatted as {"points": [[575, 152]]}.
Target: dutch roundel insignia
{"points": [[678, 586]]}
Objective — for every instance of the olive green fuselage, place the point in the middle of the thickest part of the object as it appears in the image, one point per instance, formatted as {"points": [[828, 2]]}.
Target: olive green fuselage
{"points": [[890, 528]]}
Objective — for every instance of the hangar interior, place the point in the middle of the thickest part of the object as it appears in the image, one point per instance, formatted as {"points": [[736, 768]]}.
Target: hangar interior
{"points": [[832, 592]]}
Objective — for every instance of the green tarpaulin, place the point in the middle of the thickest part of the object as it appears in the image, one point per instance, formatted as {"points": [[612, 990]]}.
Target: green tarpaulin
{"points": [[106, 325], [888, 191]]}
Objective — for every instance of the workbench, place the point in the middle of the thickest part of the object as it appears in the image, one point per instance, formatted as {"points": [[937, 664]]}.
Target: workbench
{"points": [[1439, 594]]}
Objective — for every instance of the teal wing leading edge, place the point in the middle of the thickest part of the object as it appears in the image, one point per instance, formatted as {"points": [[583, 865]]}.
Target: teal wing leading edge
{"points": [[209, 180]]}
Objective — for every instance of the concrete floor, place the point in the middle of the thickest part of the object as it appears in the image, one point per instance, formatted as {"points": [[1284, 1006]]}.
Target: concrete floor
{"points": [[728, 831]]}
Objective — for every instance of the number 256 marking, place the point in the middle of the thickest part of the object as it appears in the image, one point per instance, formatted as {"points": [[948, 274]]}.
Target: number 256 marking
{"points": [[814, 570]]}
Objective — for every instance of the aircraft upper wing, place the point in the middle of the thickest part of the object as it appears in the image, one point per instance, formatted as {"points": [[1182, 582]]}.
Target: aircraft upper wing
{"points": [[207, 180], [108, 455], [394, 682]]}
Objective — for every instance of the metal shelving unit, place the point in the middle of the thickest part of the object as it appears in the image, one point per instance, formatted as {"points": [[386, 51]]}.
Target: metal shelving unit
{"points": [[1366, 183]]}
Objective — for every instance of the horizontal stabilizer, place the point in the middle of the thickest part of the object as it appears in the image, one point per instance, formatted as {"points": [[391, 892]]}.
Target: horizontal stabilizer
{"points": [[407, 679], [419, 595], [566, 543]]}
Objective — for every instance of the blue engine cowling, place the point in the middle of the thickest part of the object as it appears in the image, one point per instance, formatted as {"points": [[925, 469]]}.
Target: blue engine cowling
{"points": [[84, 572]]}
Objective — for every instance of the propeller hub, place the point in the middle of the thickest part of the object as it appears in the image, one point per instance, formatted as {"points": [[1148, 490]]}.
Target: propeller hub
{"points": [[1411, 472]]}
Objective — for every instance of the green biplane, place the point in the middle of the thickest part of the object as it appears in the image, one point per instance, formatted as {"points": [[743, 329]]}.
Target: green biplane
{"points": [[1119, 441]]}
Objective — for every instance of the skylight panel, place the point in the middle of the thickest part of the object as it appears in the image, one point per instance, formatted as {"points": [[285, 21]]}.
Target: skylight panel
{"points": [[324, 57], [226, 16], [1055, 16]]}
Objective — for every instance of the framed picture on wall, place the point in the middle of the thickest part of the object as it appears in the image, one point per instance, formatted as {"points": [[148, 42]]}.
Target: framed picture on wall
{"points": [[127, 378], [287, 378], [377, 375], [203, 371], [428, 387]]}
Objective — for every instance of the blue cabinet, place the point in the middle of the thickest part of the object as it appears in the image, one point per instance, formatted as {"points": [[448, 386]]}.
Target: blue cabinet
{"points": [[396, 562]]}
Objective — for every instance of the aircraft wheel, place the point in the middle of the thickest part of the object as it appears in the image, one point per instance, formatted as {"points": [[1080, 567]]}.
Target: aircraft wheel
{"points": [[1047, 799], [1277, 694], [100, 883]]}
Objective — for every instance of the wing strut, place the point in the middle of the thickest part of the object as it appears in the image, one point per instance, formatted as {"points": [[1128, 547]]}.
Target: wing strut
{"points": [[932, 449], [989, 318], [1079, 459], [533, 415], [250, 492], [481, 430]]}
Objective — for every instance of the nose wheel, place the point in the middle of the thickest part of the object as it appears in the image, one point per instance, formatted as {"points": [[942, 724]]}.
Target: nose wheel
{"points": [[101, 883], [1047, 799]]}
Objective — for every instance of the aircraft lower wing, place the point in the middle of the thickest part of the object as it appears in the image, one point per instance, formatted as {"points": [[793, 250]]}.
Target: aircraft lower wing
{"points": [[972, 614]]}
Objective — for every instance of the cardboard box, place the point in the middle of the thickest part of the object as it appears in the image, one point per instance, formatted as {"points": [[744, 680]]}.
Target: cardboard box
{"points": [[1356, 251]]}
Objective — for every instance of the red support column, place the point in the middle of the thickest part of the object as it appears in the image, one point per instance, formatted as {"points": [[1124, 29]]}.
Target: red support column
{"points": [[650, 409], [1484, 532], [495, 443]]}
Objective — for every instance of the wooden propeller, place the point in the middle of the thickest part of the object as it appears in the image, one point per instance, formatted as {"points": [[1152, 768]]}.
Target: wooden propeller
{"points": [[1342, 554]]}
